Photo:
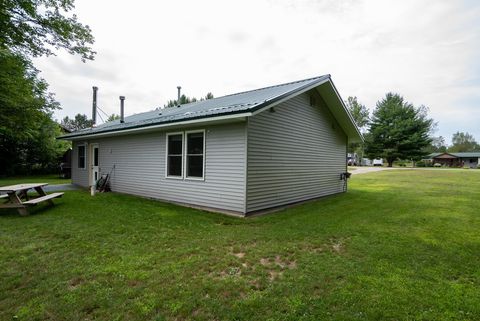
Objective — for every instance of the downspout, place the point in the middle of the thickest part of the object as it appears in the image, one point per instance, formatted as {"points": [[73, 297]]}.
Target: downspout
{"points": [[346, 165], [245, 191]]}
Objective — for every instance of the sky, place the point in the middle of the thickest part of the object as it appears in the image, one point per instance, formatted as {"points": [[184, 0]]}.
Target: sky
{"points": [[428, 51]]}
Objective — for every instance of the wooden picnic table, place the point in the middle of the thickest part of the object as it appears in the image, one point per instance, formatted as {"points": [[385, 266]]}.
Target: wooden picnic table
{"points": [[17, 196]]}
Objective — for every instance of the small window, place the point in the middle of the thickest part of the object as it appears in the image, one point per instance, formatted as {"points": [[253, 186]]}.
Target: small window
{"points": [[194, 154], [174, 155], [81, 156], [95, 156]]}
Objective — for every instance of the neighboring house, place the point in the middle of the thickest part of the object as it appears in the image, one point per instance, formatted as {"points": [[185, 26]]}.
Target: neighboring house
{"points": [[239, 154], [471, 159]]}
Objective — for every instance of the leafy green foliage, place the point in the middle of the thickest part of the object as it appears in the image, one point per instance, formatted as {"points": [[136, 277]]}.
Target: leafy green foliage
{"points": [[113, 117], [361, 116], [27, 132], [463, 142], [359, 112], [399, 245], [33, 28], [186, 100], [398, 130], [80, 121], [437, 145], [37, 27]]}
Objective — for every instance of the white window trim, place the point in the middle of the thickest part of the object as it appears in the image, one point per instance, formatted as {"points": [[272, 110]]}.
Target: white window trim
{"points": [[203, 158], [84, 156], [166, 155]]}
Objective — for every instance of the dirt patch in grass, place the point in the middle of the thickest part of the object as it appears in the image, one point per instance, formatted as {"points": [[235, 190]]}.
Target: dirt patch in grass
{"points": [[333, 245], [240, 255], [75, 283], [278, 261], [273, 275], [337, 245]]}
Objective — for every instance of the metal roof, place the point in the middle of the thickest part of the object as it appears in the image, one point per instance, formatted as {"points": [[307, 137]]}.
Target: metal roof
{"points": [[459, 155], [239, 103]]}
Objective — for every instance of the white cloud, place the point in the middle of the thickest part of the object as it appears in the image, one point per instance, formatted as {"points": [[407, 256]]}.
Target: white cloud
{"points": [[425, 50]]}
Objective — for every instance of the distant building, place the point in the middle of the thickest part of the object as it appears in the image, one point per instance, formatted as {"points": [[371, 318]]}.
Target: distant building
{"points": [[471, 159]]}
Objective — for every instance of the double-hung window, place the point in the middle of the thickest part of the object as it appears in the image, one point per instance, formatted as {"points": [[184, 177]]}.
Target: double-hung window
{"points": [[194, 151], [175, 155], [186, 155], [81, 156]]}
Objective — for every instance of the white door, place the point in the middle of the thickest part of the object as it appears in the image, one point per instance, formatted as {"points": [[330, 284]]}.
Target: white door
{"points": [[94, 162]]}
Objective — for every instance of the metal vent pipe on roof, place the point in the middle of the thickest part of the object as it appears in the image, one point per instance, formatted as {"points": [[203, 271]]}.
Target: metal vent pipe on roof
{"points": [[178, 96], [122, 100], [94, 104]]}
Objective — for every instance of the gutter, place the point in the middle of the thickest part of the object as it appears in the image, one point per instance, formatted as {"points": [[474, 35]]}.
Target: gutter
{"points": [[193, 120]]}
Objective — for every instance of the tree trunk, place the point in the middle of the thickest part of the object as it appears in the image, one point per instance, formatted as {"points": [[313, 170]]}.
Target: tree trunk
{"points": [[390, 162]]}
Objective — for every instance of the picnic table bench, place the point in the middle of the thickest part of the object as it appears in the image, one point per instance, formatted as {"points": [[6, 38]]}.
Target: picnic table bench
{"points": [[19, 198]]}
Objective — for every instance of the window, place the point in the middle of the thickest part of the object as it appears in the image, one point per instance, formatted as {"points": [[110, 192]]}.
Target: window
{"points": [[194, 154], [81, 156], [175, 155], [186, 160], [95, 156]]}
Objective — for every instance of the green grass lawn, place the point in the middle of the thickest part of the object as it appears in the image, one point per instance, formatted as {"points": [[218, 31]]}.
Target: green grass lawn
{"points": [[50, 179], [400, 245]]}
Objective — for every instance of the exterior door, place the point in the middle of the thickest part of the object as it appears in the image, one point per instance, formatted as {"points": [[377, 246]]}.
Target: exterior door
{"points": [[95, 165]]}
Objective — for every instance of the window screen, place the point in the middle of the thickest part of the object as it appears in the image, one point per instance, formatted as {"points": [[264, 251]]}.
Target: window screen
{"points": [[81, 156], [95, 156], [174, 157], [195, 155]]}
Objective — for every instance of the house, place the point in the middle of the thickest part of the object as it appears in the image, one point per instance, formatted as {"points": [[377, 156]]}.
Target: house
{"points": [[238, 154], [470, 159]]}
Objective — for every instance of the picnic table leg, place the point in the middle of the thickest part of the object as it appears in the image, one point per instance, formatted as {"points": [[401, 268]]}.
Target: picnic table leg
{"points": [[41, 192], [23, 194], [16, 200]]}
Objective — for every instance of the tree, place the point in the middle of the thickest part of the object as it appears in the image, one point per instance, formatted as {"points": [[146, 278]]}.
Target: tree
{"points": [[437, 145], [208, 96], [398, 130], [79, 122], [359, 112], [33, 28], [36, 27], [186, 100], [113, 117], [27, 132], [361, 116], [463, 142]]}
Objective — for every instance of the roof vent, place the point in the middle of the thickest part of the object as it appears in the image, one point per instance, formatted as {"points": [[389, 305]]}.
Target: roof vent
{"points": [[122, 118], [94, 105], [178, 96]]}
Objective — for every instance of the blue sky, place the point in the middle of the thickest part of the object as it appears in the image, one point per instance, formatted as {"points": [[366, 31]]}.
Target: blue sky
{"points": [[428, 51]]}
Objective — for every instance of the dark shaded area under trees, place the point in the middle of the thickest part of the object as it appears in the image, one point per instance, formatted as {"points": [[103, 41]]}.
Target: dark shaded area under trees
{"points": [[27, 131]]}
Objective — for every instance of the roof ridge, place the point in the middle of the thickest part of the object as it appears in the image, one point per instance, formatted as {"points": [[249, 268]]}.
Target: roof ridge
{"points": [[252, 90], [273, 86]]}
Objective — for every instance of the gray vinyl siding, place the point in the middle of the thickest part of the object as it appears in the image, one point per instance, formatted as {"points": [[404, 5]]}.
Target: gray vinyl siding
{"points": [[137, 163], [79, 175], [295, 153]]}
